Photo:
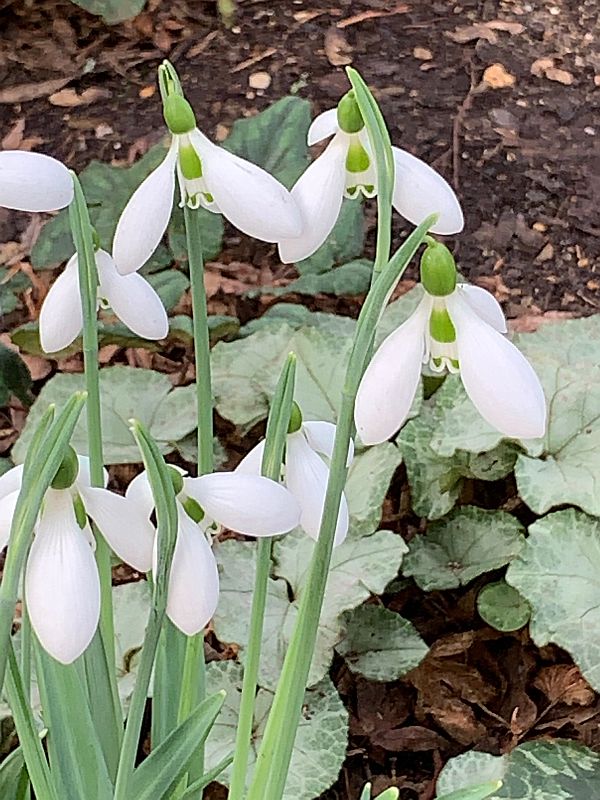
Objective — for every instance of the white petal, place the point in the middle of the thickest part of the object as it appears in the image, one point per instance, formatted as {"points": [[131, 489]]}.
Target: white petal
{"points": [[251, 464], [323, 126], [485, 305], [61, 581], [60, 316], [7, 511], [306, 477], [321, 437], [145, 218], [390, 382], [33, 182], [124, 524], [10, 481], [132, 299], [319, 193], [251, 199], [194, 579], [497, 377], [243, 503], [84, 477], [140, 493], [419, 191]]}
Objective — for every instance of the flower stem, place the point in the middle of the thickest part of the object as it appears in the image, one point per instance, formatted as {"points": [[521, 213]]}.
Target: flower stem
{"points": [[273, 759], [277, 428], [82, 231], [194, 670]]}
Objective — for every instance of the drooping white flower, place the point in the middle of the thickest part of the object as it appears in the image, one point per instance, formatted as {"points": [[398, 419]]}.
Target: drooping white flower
{"points": [[246, 504], [308, 451], [33, 182], [210, 177], [62, 586], [346, 168], [131, 297], [458, 328]]}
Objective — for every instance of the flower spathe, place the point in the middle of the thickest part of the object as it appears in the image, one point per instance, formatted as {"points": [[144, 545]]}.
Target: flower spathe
{"points": [[346, 168], [62, 586], [247, 504], [33, 182], [306, 473], [209, 177], [462, 332], [131, 297]]}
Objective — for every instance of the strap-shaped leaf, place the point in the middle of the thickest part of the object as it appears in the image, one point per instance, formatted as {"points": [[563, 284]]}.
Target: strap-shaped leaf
{"points": [[481, 792], [157, 776]]}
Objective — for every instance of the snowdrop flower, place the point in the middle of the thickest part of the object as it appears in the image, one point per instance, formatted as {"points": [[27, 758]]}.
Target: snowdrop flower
{"points": [[458, 328], [209, 176], [62, 587], [33, 182], [131, 297], [308, 451], [346, 169], [247, 504]]}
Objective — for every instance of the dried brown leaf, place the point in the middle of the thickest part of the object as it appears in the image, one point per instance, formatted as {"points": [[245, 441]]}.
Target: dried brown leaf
{"points": [[337, 48], [565, 684], [24, 92]]}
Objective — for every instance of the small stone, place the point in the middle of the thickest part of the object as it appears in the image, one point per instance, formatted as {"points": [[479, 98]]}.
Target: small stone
{"points": [[221, 132], [540, 65], [539, 226], [103, 130], [559, 75], [259, 80], [422, 53], [589, 130], [546, 253], [147, 91], [497, 77], [596, 80]]}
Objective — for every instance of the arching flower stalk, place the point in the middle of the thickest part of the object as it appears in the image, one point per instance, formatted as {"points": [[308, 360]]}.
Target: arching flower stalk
{"points": [[308, 450], [246, 504], [131, 297], [62, 586], [346, 169], [33, 182], [209, 177], [455, 328]]}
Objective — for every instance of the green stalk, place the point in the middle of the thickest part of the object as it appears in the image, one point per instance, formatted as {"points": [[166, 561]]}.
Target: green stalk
{"points": [[33, 752], [273, 760], [194, 668], [44, 457], [277, 428], [100, 658], [166, 513], [381, 145]]}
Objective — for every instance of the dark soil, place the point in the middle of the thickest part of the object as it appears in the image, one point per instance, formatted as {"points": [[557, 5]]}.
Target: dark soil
{"points": [[523, 156]]}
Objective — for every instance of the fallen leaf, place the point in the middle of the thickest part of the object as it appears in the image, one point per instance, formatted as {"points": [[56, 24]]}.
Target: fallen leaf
{"points": [[14, 137], [540, 65], [337, 48], [401, 8], [469, 33], [24, 92], [249, 62], [565, 684], [68, 98], [505, 25], [497, 77]]}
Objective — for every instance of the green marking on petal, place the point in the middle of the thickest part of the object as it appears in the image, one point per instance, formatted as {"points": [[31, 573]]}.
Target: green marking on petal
{"points": [[441, 327], [357, 159], [80, 512], [190, 163], [193, 509]]}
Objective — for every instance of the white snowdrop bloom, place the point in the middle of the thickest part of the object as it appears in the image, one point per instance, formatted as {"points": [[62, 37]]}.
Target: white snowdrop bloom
{"points": [[209, 176], [458, 328], [33, 182], [308, 451], [346, 168], [246, 504], [131, 297], [62, 586]]}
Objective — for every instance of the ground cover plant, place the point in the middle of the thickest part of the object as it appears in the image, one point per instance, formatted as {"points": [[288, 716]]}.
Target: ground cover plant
{"points": [[412, 577]]}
